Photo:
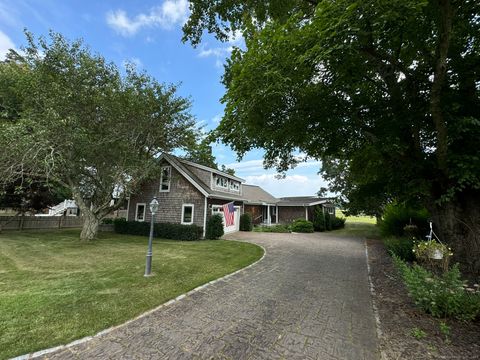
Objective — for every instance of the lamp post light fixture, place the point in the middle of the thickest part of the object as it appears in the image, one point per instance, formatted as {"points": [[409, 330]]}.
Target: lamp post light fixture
{"points": [[153, 210]]}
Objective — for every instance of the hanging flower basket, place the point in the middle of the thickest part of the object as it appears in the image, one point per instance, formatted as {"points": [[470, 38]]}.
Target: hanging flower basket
{"points": [[436, 254]]}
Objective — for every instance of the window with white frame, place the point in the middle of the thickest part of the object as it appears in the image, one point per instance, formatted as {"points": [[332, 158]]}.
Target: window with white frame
{"points": [[165, 178], [140, 212], [331, 210], [187, 214], [234, 185], [221, 182]]}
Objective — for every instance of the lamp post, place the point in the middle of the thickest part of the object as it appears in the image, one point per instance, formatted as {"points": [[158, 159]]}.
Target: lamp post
{"points": [[153, 210]]}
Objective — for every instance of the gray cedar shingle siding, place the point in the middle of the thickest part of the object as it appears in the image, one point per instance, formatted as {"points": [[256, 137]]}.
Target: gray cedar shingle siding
{"points": [[286, 214], [203, 175], [170, 203]]}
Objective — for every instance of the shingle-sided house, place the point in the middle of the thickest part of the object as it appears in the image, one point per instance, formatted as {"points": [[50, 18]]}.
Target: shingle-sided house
{"points": [[189, 193], [294, 207]]}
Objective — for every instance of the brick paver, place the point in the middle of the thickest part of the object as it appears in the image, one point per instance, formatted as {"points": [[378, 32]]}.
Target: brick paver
{"points": [[307, 299]]}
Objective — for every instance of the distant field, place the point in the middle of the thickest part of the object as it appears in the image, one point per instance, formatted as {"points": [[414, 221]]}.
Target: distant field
{"points": [[357, 219], [360, 226]]}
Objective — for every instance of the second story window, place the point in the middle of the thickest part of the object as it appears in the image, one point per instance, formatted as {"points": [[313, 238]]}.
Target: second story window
{"points": [[165, 178], [234, 185], [221, 182]]}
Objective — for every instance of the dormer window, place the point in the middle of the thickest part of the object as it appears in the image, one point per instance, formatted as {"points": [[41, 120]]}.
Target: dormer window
{"points": [[221, 182], [234, 185], [165, 178]]}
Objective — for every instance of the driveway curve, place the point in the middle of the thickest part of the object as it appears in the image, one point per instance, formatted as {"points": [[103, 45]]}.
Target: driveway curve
{"points": [[308, 298]]}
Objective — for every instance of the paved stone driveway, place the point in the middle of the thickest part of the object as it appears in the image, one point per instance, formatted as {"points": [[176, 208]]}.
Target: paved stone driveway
{"points": [[307, 299]]}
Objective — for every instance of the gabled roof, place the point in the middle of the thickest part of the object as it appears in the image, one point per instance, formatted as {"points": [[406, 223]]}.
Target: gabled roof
{"points": [[215, 171], [255, 195], [303, 201], [179, 165]]}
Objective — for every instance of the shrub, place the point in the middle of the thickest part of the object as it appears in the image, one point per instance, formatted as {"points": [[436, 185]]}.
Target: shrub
{"points": [[273, 229], [318, 219], [107, 221], [214, 227], [401, 247], [302, 226], [178, 231], [160, 230], [246, 223], [328, 221], [397, 216], [338, 223], [442, 296]]}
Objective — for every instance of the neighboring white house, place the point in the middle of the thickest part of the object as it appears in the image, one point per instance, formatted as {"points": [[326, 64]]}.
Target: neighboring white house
{"points": [[65, 208]]}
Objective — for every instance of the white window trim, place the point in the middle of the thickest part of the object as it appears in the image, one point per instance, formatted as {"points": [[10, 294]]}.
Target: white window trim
{"points": [[144, 211], [161, 178], [183, 213], [230, 182]]}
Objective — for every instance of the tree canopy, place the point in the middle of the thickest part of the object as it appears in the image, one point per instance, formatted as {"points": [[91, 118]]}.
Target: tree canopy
{"points": [[384, 92], [71, 117]]}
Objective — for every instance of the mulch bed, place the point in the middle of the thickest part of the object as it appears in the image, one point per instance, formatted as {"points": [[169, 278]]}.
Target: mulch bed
{"points": [[399, 316]]}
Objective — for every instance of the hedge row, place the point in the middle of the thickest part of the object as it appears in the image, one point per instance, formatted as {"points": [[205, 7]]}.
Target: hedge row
{"points": [[160, 230]]}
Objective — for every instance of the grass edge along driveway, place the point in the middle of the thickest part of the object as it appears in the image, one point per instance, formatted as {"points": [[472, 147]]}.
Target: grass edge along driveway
{"points": [[55, 289]]}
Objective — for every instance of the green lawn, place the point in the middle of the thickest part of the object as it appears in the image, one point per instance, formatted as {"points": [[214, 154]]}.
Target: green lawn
{"points": [[361, 226], [54, 288]]}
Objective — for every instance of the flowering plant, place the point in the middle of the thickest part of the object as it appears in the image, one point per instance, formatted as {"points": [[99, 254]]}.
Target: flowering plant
{"points": [[432, 253]]}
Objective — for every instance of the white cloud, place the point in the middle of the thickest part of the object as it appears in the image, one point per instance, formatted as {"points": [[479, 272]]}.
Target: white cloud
{"points": [[5, 44], [167, 15], [217, 52], [222, 52], [216, 119]]}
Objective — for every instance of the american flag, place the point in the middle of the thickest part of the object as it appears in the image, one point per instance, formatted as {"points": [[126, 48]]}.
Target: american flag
{"points": [[229, 213]]}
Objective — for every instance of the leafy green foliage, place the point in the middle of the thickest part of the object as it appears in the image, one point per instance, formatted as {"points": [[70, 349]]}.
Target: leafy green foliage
{"points": [[201, 153], [328, 221], [397, 216], [318, 219], [401, 247], [32, 195], [418, 333], [280, 228], [338, 222], [302, 226], [442, 296], [79, 122], [246, 223], [385, 93], [160, 230], [214, 227]]}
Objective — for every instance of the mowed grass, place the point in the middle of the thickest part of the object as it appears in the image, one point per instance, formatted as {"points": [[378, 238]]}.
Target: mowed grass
{"points": [[359, 226], [55, 288]]}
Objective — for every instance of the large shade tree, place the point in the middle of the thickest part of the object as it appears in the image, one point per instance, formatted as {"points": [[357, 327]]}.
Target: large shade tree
{"points": [[71, 118], [387, 89]]}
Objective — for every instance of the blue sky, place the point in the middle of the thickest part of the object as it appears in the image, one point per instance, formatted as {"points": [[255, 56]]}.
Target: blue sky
{"points": [[148, 33]]}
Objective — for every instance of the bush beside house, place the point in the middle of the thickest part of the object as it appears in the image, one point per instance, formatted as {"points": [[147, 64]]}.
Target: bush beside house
{"points": [[246, 223], [214, 227], [302, 226], [160, 230]]}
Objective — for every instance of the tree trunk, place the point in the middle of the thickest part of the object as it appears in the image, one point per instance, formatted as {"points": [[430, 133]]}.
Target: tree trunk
{"points": [[457, 223], [90, 226]]}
